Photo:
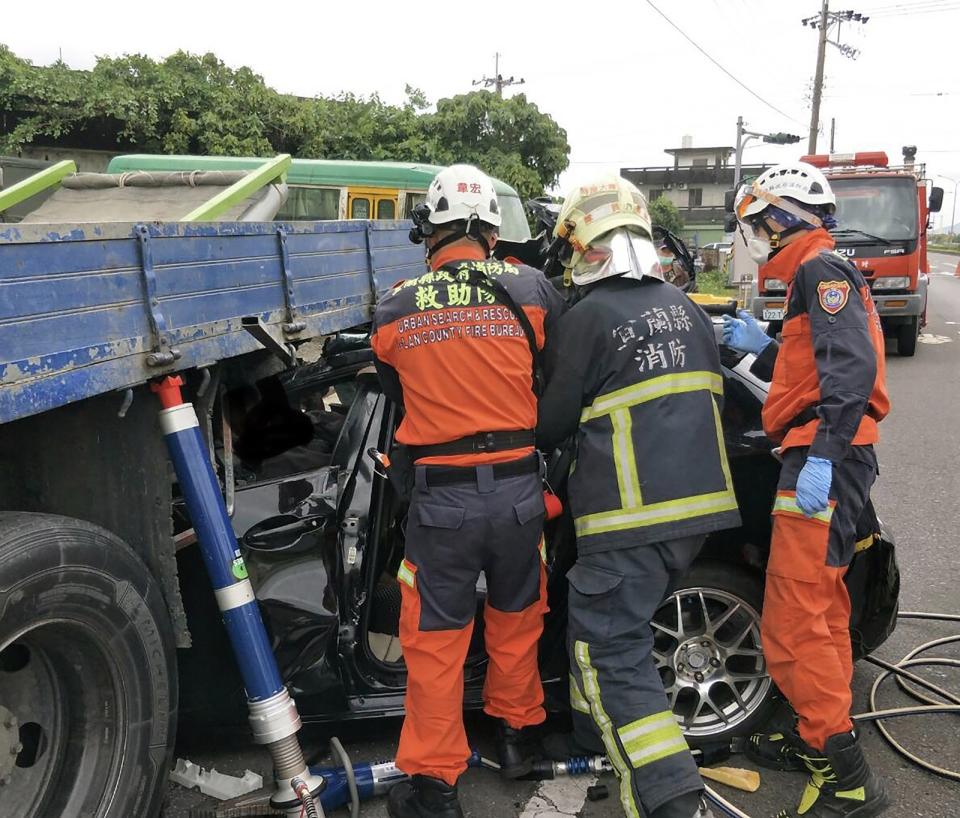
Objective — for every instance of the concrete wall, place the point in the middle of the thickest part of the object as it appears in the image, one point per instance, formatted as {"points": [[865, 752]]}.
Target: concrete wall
{"points": [[88, 161]]}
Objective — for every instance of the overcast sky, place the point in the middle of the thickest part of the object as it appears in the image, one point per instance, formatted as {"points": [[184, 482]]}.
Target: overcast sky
{"points": [[615, 75]]}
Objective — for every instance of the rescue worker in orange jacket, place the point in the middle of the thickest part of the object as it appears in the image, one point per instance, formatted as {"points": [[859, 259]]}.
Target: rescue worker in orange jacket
{"points": [[451, 348], [826, 398]]}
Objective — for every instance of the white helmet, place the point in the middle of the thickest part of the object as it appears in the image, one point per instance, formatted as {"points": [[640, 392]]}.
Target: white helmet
{"points": [[462, 193], [792, 180]]}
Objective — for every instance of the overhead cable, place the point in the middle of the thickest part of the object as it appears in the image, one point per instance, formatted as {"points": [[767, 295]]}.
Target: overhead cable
{"points": [[718, 65]]}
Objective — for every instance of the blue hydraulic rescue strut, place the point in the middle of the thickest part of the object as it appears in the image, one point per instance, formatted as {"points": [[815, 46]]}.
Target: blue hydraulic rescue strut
{"points": [[273, 714]]}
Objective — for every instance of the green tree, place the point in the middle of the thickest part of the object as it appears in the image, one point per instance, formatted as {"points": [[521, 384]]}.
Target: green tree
{"points": [[663, 212], [508, 138], [195, 104]]}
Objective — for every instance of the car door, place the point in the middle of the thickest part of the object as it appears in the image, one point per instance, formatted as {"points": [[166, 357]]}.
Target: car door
{"points": [[288, 511]]}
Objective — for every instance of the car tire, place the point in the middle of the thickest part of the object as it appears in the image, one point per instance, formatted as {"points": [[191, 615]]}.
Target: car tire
{"points": [[712, 666], [87, 673], [907, 335]]}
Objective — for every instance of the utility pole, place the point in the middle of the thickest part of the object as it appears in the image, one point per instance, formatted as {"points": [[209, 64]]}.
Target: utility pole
{"points": [[953, 219], [818, 79], [497, 81], [824, 22], [833, 131], [738, 155]]}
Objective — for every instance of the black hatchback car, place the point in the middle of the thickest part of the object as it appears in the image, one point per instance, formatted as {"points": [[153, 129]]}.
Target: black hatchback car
{"points": [[322, 535]]}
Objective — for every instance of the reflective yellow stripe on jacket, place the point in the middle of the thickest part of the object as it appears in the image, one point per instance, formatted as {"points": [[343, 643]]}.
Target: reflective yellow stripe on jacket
{"points": [[633, 513]]}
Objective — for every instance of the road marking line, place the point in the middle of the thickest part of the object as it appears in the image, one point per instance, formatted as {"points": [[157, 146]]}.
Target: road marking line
{"points": [[559, 798], [935, 339]]}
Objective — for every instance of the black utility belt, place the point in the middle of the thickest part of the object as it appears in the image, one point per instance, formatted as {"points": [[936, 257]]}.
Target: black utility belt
{"points": [[451, 475], [481, 443], [810, 414]]}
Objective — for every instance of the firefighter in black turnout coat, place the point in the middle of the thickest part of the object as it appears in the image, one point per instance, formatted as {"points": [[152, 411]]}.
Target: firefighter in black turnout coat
{"points": [[636, 378]]}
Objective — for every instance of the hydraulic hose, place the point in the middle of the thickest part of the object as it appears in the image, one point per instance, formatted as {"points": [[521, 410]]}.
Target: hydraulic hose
{"points": [[720, 803], [904, 678], [350, 774]]}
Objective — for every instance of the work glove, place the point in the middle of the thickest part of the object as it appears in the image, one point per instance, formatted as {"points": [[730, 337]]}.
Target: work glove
{"points": [[744, 333], [813, 485]]}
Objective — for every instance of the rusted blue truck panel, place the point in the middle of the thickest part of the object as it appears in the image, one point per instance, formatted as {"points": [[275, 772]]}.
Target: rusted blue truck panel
{"points": [[89, 309]]}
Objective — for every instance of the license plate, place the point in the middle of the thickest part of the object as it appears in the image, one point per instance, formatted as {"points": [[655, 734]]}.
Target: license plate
{"points": [[773, 315]]}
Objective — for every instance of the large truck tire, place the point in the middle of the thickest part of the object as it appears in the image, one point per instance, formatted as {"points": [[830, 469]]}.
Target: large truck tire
{"points": [[88, 691], [907, 335]]}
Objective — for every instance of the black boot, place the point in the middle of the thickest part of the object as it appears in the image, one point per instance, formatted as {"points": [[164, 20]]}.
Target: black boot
{"points": [[842, 785], [778, 751], [514, 752], [424, 797]]}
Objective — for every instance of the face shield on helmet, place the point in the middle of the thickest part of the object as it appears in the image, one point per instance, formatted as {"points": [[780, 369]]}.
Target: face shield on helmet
{"points": [[590, 218], [621, 252]]}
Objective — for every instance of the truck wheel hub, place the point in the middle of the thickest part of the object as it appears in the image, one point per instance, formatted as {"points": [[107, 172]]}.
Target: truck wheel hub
{"points": [[9, 744]]}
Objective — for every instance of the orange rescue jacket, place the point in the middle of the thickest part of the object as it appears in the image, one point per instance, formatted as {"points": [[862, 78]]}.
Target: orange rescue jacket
{"points": [[828, 388], [457, 359]]}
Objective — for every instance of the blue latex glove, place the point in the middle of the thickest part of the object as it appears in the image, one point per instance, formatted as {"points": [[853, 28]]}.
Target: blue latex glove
{"points": [[744, 333], [813, 485]]}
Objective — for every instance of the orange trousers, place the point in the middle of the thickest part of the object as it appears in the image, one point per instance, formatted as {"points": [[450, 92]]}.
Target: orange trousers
{"points": [[806, 608], [806, 629], [433, 741]]}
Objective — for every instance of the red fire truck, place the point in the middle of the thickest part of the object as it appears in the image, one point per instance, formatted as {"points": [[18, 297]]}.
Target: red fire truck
{"points": [[882, 215]]}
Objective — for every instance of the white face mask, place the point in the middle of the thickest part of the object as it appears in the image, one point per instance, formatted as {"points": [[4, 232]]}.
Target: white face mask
{"points": [[758, 246], [759, 250]]}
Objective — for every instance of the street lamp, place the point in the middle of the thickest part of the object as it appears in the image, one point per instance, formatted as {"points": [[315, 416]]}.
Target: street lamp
{"points": [[956, 184], [779, 138]]}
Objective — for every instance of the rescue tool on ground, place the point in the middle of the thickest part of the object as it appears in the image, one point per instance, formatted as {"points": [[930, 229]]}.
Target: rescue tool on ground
{"points": [[273, 713]]}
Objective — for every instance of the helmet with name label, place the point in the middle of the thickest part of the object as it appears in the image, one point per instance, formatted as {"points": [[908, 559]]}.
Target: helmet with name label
{"points": [[606, 227]]}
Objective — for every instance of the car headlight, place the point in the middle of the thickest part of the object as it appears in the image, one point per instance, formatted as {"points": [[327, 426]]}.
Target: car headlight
{"points": [[775, 285], [892, 283]]}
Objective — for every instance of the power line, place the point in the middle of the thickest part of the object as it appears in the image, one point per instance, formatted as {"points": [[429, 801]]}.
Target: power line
{"points": [[718, 65], [907, 6], [899, 8], [890, 95], [912, 12]]}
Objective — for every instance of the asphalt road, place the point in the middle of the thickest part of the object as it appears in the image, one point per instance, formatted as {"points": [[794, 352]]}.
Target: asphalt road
{"points": [[917, 498]]}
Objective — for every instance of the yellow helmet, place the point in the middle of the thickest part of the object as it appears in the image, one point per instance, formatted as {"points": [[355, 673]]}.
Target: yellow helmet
{"points": [[592, 210]]}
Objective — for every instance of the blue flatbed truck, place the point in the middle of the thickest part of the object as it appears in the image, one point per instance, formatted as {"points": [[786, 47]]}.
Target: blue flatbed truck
{"points": [[90, 609]]}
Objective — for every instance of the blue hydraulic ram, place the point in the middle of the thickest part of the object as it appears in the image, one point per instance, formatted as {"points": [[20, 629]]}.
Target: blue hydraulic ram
{"points": [[273, 714]]}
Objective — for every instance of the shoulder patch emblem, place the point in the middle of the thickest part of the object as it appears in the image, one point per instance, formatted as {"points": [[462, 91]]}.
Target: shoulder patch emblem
{"points": [[833, 295]]}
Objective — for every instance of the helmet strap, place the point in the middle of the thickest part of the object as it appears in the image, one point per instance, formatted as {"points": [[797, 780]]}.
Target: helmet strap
{"points": [[776, 237], [471, 231]]}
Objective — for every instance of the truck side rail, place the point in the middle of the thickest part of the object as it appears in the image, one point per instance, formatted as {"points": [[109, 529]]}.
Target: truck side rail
{"points": [[93, 308]]}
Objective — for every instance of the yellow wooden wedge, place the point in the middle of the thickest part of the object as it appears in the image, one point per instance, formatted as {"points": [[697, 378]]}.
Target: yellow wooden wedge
{"points": [[746, 780]]}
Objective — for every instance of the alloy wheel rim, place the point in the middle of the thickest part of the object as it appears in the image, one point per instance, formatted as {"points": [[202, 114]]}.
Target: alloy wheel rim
{"points": [[708, 652]]}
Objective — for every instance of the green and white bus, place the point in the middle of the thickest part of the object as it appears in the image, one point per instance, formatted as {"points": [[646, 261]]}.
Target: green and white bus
{"points": [[322, 189]]}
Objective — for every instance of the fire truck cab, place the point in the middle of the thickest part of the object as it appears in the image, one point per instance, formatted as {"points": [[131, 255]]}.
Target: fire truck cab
{"points": [[882, 215]]}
